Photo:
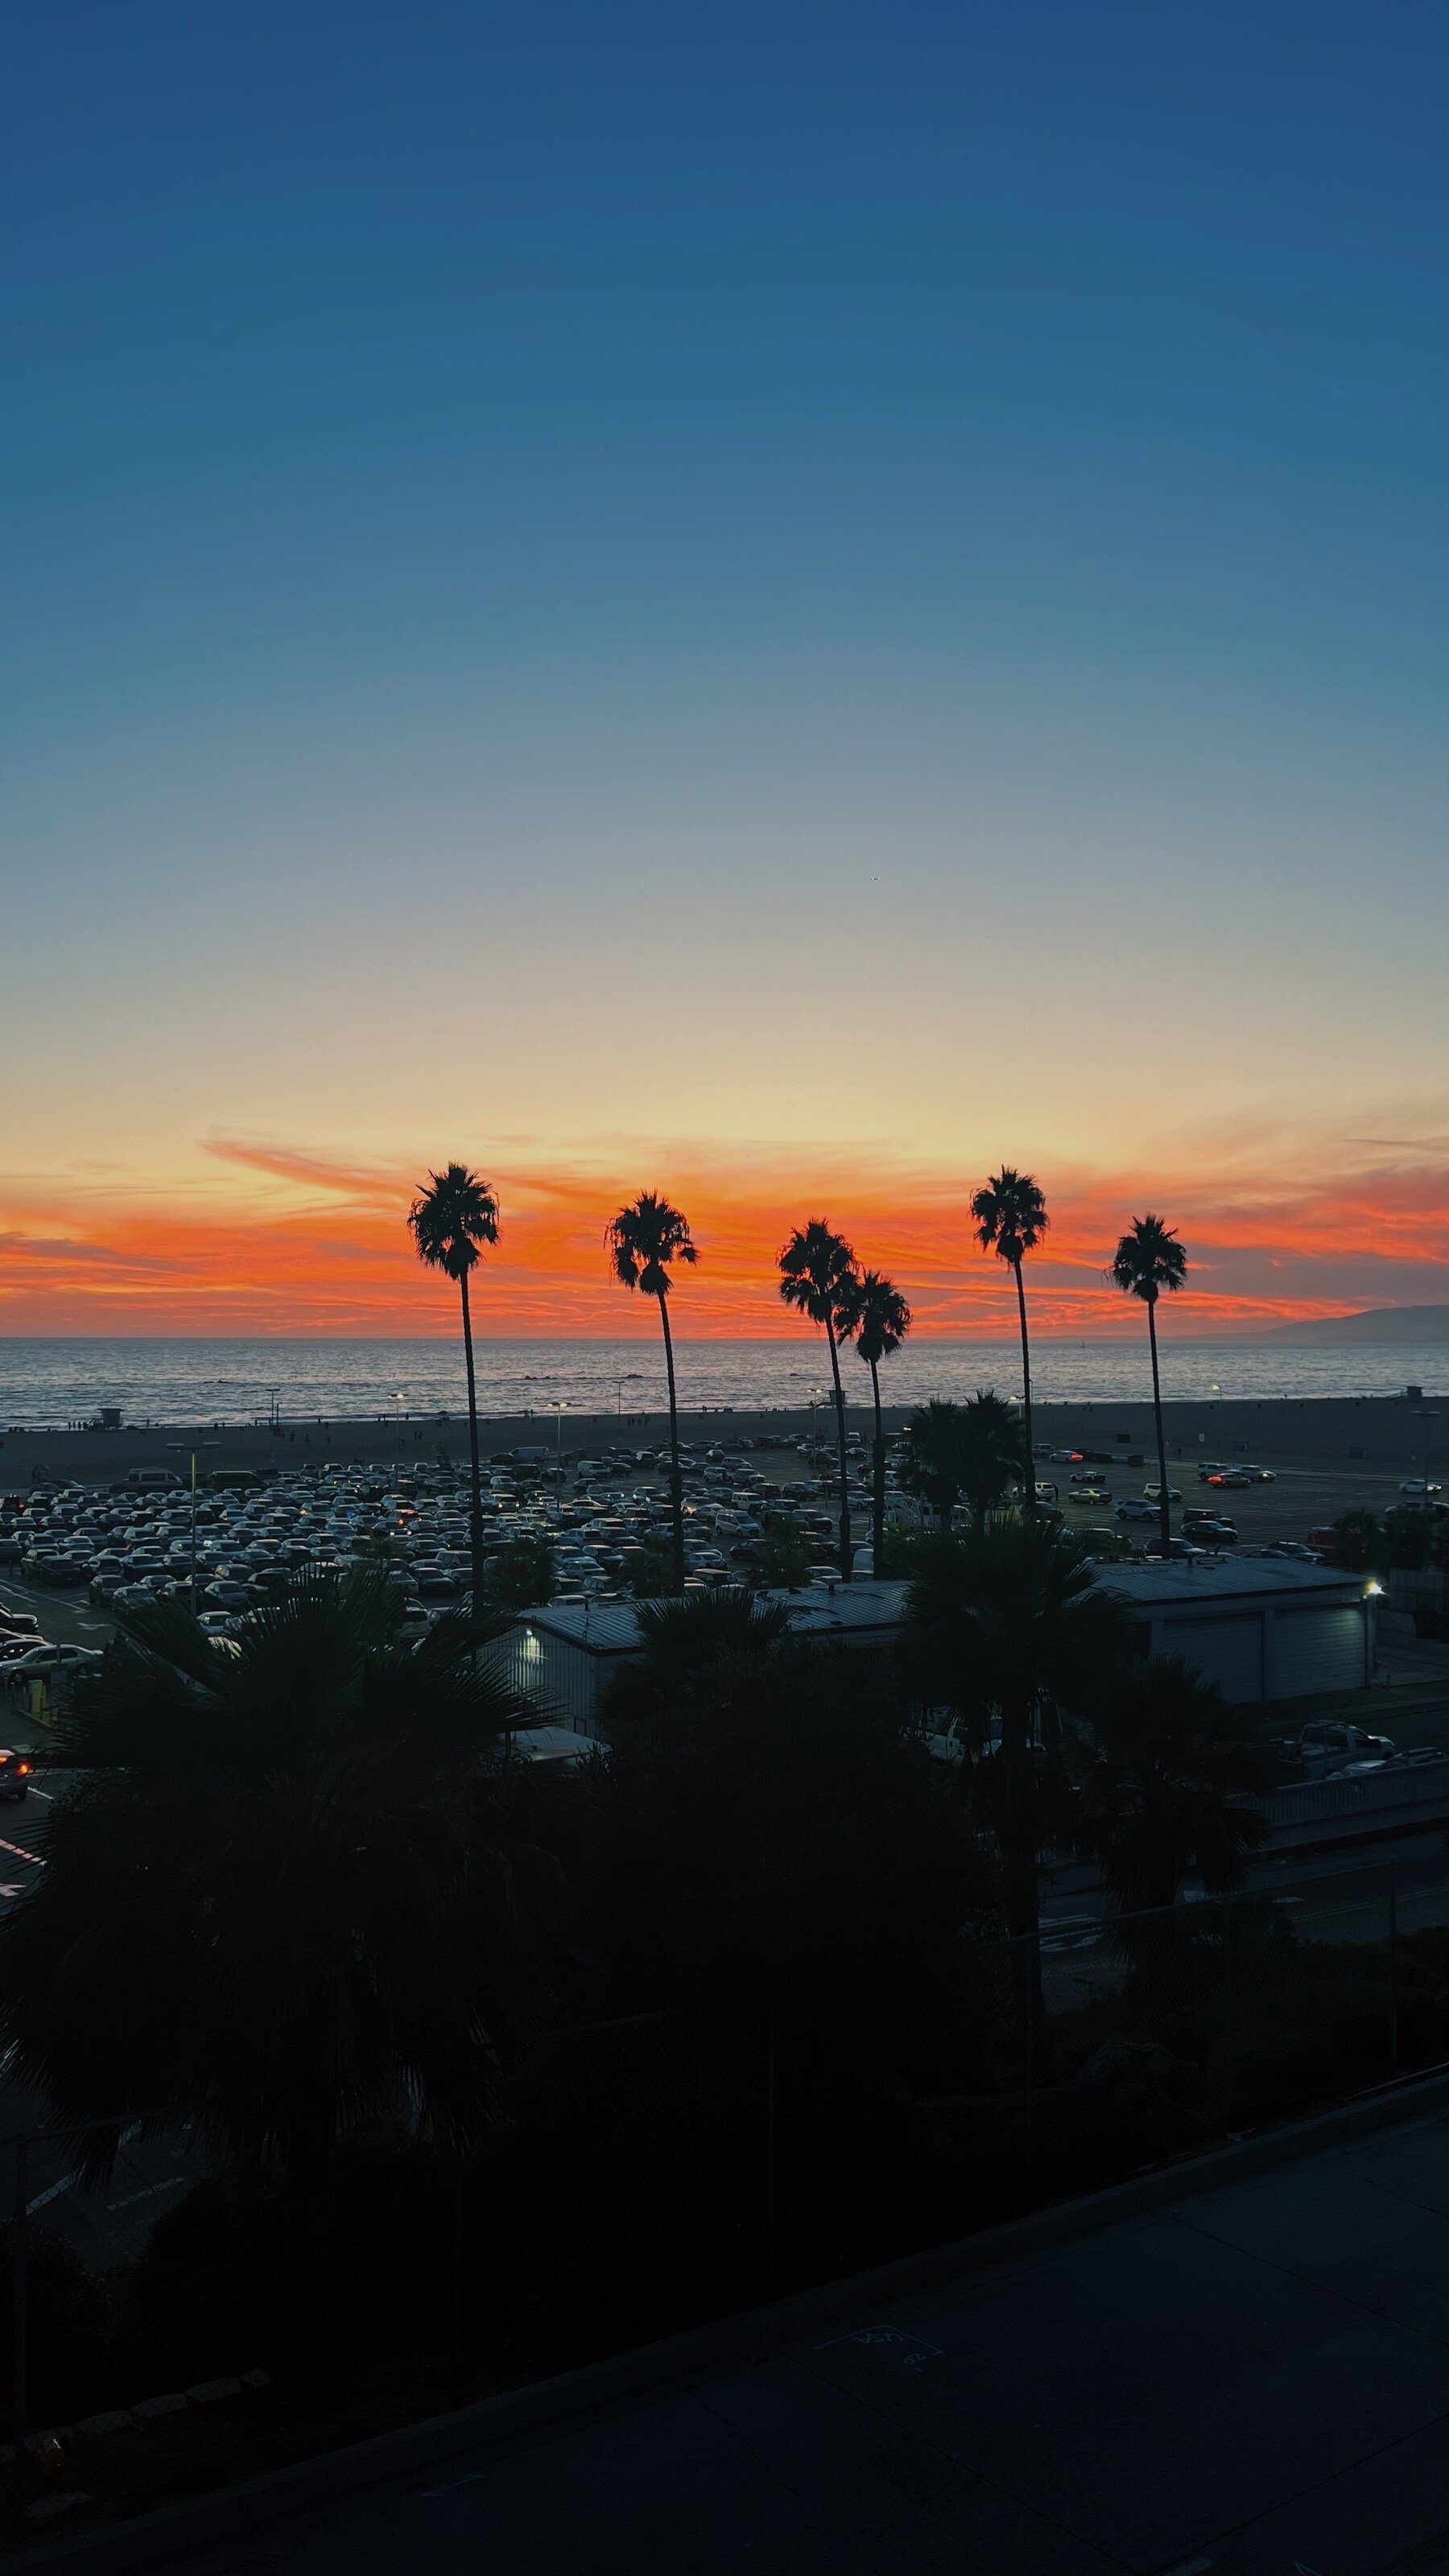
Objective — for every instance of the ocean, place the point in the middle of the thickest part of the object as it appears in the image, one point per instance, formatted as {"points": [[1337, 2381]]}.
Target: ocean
{"points": [[44, 1383]]}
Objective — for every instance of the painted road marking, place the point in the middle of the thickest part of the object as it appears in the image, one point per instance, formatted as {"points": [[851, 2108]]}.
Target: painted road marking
{"points": [[54, 2193], [22, 1855]]}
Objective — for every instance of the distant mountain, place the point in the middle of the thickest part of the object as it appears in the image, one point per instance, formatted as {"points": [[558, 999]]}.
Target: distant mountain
{"points": [[1419, 1324]]}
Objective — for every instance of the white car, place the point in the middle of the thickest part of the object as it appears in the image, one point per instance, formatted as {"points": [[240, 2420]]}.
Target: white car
{"points": [[1416, 1486], [1133, 1508], [51, 1659]]}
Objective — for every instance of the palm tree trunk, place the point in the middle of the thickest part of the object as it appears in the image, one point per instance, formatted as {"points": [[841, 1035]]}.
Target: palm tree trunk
{"points": [[1164, 1506], [877, 1518], [1026, 1390], [676, 1482], [475, 1499], [845, 1546]]}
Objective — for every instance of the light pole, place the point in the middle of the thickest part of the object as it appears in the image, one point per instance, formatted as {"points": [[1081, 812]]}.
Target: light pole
{"points": [[1423, 1413], [558, 1409], [626, 1377]]}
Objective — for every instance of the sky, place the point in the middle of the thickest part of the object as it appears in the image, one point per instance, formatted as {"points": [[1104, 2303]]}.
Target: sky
{"points": [[779, 602]]}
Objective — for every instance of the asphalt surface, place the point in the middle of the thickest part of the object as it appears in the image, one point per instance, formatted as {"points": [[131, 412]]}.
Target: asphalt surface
{"points": [[1253, 2381]]}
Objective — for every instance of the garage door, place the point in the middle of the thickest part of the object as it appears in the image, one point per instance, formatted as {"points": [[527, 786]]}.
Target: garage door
{"points": [[1226, 1651], [1318, 1650]]}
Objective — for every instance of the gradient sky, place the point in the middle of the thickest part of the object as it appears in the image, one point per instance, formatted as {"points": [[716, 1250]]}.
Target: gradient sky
{"points": [[784, 602]]}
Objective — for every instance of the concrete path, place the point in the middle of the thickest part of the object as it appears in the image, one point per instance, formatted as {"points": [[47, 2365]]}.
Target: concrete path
{"points": [[1251, 2382]]}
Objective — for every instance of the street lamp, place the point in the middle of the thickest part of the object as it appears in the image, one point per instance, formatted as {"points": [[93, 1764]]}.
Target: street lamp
{"points": [[626, 1377], [1425, 1414]]}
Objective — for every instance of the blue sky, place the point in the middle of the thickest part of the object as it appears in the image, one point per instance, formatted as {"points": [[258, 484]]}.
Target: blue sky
{"points": [[776, 549]]}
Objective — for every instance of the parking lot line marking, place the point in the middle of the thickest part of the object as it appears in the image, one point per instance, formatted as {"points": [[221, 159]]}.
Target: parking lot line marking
{"points": [[22, 1855]]}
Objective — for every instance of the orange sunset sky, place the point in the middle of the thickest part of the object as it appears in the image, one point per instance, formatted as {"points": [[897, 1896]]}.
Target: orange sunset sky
{"points": [[266, 1239]]}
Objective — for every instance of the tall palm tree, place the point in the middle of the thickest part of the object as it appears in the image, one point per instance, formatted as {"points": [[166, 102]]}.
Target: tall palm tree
{"points": [[643, 1239], [819, 1278], [1011, 1218], [287, 1892], [882, 1321], [1148, 1260], [449, 1220]]}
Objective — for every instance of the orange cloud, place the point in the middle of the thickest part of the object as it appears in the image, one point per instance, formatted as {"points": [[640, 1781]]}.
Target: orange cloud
{"points": [[303, 1242]]}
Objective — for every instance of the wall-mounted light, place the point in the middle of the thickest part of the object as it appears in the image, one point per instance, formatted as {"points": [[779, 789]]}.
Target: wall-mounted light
{"points": [[1371, 1589]]}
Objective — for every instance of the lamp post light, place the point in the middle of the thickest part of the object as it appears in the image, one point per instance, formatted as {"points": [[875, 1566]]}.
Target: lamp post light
{"points": [[625, 1377], [1426, 1414]]}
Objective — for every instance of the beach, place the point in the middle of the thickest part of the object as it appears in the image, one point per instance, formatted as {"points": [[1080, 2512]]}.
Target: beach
{"points": [[1383, 1435]]}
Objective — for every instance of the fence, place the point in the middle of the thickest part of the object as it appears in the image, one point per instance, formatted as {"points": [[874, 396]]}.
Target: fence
{"points": [[786, 2126]]}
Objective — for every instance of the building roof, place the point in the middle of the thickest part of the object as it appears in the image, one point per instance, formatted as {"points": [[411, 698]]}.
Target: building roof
{"points": [[819, 1610], [858, 1609], [1215, 1581]]}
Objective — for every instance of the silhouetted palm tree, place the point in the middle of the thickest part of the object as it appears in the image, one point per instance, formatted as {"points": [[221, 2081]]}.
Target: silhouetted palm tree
{"points": [[990, 1451], [932, 1460], [1165, 1793], [818, 1276], [882, 1321], [286, 1893], [1011, 1218], [1147, 1260], [643, 1239], [1000, 1623], [449, 1220]]}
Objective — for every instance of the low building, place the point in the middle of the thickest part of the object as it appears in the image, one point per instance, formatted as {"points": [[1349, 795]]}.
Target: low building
{"points": [[1261, 1628], [567, 1654]]}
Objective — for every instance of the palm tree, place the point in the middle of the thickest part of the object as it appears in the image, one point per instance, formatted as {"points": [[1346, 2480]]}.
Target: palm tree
{"points": [[932, 1460], [818, 1276], [448, 1220], [882, 1321], [643, 1239], [990, 1449], [1147, 1260], [286, 1892], [999, 1624], [1165, 1793], [1011, 1218]]}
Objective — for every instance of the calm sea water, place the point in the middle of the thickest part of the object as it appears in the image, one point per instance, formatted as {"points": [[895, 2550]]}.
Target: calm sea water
{"points": [[46, 1382]]}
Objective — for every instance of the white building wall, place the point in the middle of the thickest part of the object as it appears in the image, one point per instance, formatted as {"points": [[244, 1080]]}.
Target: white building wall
{"points": [[1226, 1651]]}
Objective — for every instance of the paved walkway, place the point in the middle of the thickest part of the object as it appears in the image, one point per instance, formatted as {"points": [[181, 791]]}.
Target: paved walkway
{"points": [[1252, 2382]]}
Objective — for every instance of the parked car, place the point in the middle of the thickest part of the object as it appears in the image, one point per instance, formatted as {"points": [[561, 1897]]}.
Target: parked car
{"points": [[1238, 1476], [15, 1770], [50, 1660], [1133, 1508], [1154, 1493], [1416, 1486]]}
